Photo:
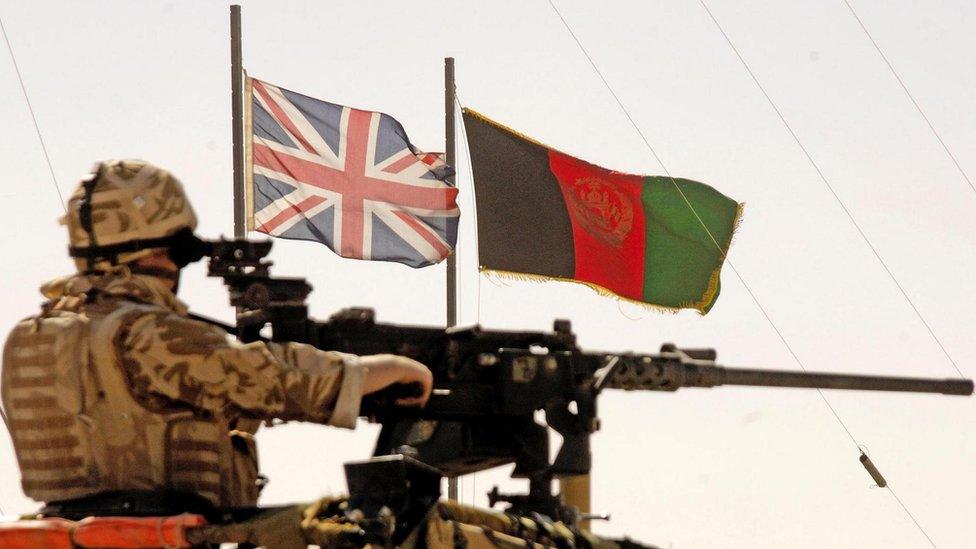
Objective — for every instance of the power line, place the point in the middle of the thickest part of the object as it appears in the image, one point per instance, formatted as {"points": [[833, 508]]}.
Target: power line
{"points": [[3, 30], [728, 261], [37, 128], [830, 188], [474, 208], [910, 515], [457, 181], [856, 226], [918, 107]]}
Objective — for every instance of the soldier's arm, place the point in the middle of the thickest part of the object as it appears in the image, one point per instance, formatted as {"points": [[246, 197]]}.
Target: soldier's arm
{"points": [[167, 355], [382, 370]]}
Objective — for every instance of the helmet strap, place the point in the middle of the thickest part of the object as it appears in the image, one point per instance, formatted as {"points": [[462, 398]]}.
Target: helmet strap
{"points": [[183, 248], [85, 216]]}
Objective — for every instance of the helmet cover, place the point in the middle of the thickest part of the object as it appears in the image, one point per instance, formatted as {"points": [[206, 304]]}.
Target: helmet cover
{"points": [[129, 200]]}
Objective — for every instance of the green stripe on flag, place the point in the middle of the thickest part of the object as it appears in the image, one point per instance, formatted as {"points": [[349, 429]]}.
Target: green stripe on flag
{"points": [[681, 262]]}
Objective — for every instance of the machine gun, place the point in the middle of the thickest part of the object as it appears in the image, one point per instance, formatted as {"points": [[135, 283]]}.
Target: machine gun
{"points": [[489, 384]]}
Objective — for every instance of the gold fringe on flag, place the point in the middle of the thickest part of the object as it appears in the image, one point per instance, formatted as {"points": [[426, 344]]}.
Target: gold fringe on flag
{"points": [[707, 297], [526, 277], [713, 280], [504, 128]]}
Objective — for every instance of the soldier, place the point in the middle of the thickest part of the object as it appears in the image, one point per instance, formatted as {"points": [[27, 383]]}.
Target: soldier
{"points": [[117, 399]]}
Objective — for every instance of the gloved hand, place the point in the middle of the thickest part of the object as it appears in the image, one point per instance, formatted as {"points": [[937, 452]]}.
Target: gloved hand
{"points": [[324, 524]]}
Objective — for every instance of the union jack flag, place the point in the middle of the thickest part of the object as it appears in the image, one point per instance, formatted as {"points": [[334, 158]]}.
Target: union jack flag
{"points": [[347, 178]]}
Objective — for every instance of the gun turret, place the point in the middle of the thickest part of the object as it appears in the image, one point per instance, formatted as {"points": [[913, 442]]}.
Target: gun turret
{"points": [[489, 384]]}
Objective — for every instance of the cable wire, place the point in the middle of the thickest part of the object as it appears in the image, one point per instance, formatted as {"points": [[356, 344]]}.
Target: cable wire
{"points": [[37, 128], [474, 208], [911, 516], [755, 299], [728, 261], [837, 198], [859, 230], [3, 30], [457, 181], [918, 107]]}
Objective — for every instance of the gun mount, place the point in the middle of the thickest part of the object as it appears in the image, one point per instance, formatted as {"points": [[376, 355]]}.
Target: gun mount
{"points": [[488, 384]]}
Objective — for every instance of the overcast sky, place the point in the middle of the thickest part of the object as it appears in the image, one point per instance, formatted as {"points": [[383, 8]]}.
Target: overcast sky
{"points": [[728, 467]]}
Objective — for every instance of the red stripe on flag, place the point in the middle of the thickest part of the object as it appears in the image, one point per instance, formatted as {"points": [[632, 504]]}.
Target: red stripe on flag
{"points": [[357, 143], [425, 232], [298, 169], [328, 178], [281, 117], [408, 160], [292, 211], [607, 215]]}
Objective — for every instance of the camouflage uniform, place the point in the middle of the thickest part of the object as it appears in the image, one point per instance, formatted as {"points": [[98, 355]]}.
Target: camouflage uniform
{"points": [[113, 387], [452, 525], [447, 525]]}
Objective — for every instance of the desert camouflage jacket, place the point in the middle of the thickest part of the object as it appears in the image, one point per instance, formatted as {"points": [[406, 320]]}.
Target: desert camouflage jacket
{"points": [[114, 387], [168, 355]]}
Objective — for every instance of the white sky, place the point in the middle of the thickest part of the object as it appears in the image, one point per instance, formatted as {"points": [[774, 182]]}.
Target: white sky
{"points": [[727, 467]]}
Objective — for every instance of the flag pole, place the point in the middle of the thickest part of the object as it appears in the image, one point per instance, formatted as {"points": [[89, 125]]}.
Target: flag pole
{"points": [[576, 493], [449, 153], [237, 118], [450, 158]]}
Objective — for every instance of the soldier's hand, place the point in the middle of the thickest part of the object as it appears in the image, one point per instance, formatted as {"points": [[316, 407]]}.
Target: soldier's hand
{"points": [[386, 370]]}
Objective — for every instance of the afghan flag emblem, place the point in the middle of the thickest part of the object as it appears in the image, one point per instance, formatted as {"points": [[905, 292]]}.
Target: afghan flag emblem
{"points": [[544, 214]]}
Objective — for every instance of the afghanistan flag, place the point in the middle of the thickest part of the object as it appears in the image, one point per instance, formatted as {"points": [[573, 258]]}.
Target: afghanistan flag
{"points": [[542, 213]]}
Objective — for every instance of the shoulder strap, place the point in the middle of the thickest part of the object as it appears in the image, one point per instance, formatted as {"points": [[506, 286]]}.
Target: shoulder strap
{"points": [[104, 353]]}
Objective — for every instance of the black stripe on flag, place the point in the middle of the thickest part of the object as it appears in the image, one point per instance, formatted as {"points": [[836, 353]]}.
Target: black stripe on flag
{"points": [[523, 225]]}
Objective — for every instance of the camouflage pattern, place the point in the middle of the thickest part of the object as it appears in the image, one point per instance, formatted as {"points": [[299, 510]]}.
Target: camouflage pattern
{"points": [[321, 523], [131, 200], [448, 525], [113, 387], [452, 525]]}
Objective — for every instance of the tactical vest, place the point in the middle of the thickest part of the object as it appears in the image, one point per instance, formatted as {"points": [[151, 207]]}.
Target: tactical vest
{"points": [[78, 429]]}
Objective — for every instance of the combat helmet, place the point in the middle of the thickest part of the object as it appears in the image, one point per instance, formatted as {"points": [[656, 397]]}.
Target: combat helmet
{"points": [[127, 209]]}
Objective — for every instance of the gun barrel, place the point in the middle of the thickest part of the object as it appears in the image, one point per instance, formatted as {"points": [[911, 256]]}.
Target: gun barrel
{"points": [[672, 371], [820, 380]]}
